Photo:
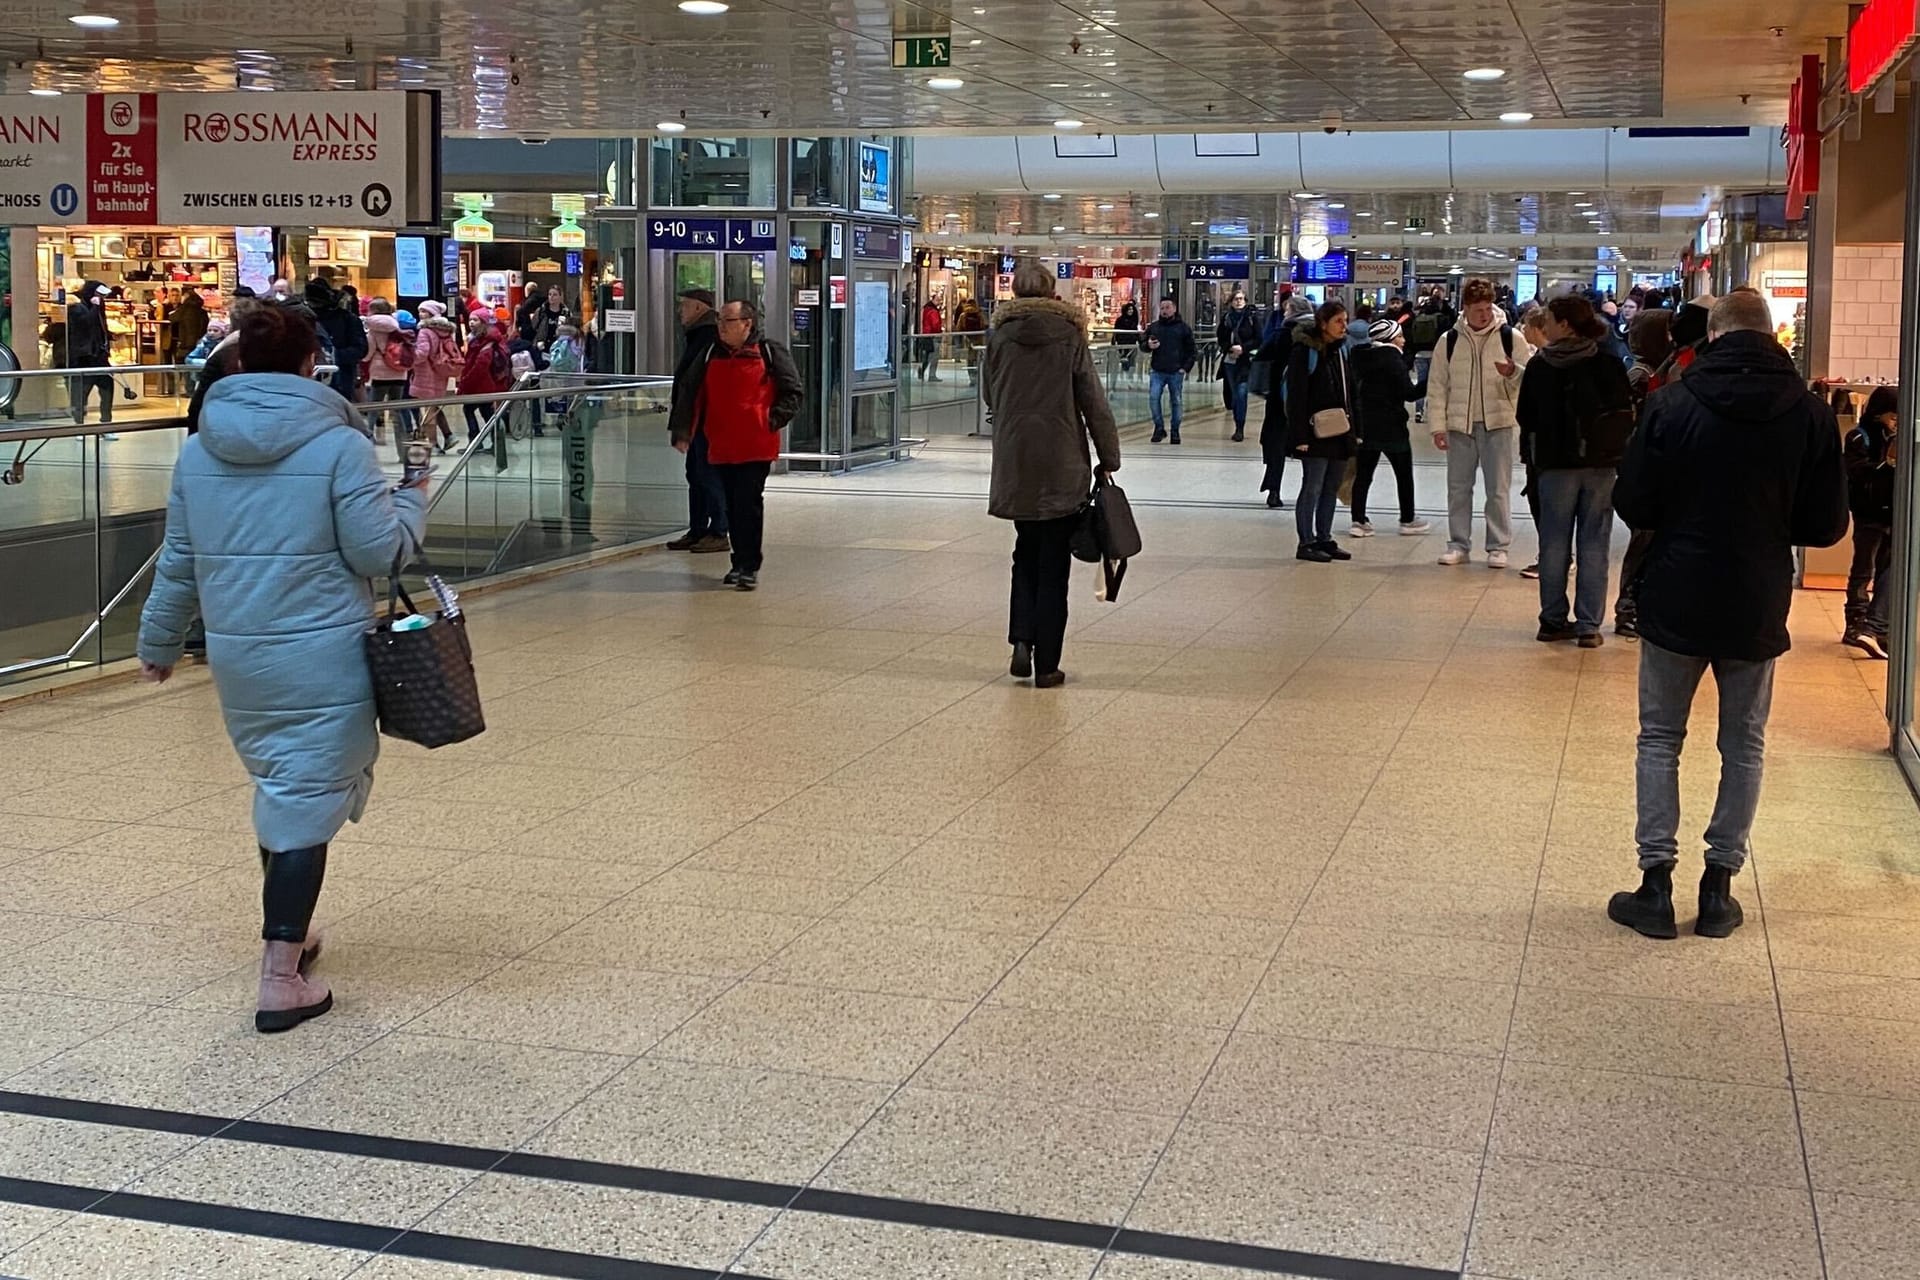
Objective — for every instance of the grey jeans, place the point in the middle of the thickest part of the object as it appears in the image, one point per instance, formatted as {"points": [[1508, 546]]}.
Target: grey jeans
{"points": [[1491, 455], [1668, 682]]}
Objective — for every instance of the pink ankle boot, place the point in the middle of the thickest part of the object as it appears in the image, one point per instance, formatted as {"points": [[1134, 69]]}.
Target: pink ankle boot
{"points": [[287, 998]]}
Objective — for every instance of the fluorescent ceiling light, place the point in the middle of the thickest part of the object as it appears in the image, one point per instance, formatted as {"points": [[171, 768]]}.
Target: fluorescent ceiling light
{"points": [[1515, 117], [1363, 214], [973, 42], [1198, 222], [671, 126], [1426, 233], [97, 21], [1149, 215], [44, 93], [1583, 204], [1051, 195], [1068, 124], [1390, 223], [1306, 195], [1103, 207], [1336, 204], [1485, 74], [703, 8], [1576, 193], [946, 82], [1059, 228]]}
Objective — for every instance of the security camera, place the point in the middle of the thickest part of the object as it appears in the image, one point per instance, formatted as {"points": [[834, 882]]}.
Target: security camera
{"points": [[533, 140], [1330, 121]]}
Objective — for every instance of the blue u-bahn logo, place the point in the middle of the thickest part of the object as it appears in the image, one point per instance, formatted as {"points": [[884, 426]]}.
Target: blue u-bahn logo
{"points": [[64, 200]]}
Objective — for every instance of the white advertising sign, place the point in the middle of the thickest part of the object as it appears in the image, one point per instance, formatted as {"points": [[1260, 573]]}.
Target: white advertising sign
{"points": [[183, 159], [618, 321], [1377, 272]]}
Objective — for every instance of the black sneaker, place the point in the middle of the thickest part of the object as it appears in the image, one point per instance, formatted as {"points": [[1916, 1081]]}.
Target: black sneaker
{"points": [[1021, 668], [1648, 910], [747, 581], [1158, 437], [1720, 912], [1552, 633], [1050, 679], [1334, 550], [1174, 438], [1626, 628], [1273, 500], [1591, 640], [1311, 551], [732, 579]]}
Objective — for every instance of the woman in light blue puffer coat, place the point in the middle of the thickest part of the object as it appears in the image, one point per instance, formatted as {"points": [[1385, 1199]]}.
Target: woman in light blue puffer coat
{"points": [[278, 518]]}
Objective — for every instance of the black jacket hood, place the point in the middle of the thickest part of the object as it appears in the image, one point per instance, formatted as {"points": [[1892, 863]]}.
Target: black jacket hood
{"points": [[1745, 377]]}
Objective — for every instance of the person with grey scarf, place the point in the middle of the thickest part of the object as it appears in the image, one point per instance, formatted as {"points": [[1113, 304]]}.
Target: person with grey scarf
{"points": [[1575, 412]]}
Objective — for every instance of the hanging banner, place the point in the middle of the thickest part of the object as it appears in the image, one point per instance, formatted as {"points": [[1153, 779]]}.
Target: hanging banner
{"points": [[1389, 272], [353, 159]]}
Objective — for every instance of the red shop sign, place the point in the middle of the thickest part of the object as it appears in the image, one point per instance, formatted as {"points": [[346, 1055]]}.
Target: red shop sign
{"points": [[1115, 271], [1883, 32], [1803, 137]]}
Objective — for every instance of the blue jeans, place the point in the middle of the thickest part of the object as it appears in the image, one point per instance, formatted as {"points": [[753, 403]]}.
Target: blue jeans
{"points": [[706, 496], [1574, 500], [1176, 383], [1319, 496], [1668, 682], [1237, 382]]}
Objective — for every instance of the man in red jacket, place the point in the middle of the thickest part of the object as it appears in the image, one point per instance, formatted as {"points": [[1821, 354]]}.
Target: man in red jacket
{"points": [[744, 394]]}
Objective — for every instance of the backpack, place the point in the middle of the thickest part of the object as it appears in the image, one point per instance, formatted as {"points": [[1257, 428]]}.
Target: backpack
{"points": [[499, 367], [1601, 430], [1506, 341], [521, 363], [564, 357], [1425, 330], [398, 353]]}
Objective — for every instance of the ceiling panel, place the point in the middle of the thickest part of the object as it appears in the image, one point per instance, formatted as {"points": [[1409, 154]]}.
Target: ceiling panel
{"points": [[605, 66]]}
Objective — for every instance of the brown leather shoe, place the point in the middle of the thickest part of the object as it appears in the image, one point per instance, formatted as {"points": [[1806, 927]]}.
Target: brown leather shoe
{"points": [[710, 544], [684, 543]]}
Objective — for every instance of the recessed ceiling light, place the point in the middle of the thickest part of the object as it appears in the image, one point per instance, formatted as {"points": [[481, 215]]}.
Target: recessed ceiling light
{"points": [[1426, 233], [44, 93], [1109, 64], [1068, 124], [1390, 223], [1485, 74], [99, 21], [671, 126], [703, 8], [946, 82], [1149, 215], [1059, 228], [1336, 204], [973, 42], [1306, 195], [1103, 207], [1363, 214], [1060, 84], [1576, 193], [1515, 117], [1198, 222], [953, 217], [1583, 204], [1051, 195]]}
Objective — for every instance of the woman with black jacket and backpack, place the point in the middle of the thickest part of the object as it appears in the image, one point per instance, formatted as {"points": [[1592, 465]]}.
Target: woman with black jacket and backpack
{"points": [[1576, 415], [1320, 431], [1384, 386]]}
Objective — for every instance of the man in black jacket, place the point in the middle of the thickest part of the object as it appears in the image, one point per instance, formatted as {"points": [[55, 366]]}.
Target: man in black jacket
{"points": [[1731, 469], [1170, 339], [706, 499]]}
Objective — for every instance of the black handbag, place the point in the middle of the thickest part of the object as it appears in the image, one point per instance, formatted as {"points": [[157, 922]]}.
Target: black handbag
{"points": [[424, 687], [1107, 535], [1260, 378]]}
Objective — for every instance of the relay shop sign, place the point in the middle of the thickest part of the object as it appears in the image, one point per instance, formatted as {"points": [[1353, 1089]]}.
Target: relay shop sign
{"points": [[142, 159]]}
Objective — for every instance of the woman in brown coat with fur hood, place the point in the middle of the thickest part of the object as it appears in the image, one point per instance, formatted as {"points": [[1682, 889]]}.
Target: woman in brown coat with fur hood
{"points": [[1046, 402]]}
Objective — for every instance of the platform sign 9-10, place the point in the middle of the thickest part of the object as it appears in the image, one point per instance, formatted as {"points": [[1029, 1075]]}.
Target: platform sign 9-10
{"points": [[686, 233]]}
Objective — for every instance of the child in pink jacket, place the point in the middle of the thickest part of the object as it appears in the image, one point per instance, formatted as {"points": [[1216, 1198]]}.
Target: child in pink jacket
{"points": [[436, 362]]}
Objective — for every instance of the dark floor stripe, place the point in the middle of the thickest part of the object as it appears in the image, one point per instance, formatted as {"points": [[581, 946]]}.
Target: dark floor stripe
{"points": [[673, 1182], [359, 1236]]}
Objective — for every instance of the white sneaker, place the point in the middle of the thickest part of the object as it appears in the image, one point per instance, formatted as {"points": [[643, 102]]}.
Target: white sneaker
{"points": [[1496, 559], [1361, 529], [1415, 528], [1455, 555]]}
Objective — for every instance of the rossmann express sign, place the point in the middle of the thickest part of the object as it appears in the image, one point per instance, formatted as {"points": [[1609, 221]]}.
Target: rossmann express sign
{"points": [[344, 158]]}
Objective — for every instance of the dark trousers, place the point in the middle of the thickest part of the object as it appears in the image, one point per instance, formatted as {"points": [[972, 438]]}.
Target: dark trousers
{"points": [[1626, 608], [477, 415], [1364, 463], [707, 506], [1319, 498], [1042, 572], [395, 389], [744, 486], [77, 389], [290, 889], [1872, 567]]}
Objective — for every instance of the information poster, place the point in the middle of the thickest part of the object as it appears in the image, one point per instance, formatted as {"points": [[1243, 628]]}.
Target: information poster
{"points": [[410, 266], [876, 178], [872, 325], [254, 245]]}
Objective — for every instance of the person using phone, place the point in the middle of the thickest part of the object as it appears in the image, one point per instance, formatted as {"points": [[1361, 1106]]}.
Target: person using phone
{"points": [[279, 516]]}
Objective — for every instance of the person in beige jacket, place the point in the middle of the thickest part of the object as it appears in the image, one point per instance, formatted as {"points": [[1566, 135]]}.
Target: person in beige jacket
{"points": [[1472, 388], [1046, 401]]}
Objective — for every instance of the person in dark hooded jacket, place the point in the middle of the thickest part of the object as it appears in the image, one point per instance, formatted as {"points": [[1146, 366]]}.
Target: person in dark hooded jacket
{"points": [[1047, 402], [87, 347], [1384, 387], [1320, 403], [1731, 469], [1276, 346], [1650, 339], [1871, 456], [343, 331]]}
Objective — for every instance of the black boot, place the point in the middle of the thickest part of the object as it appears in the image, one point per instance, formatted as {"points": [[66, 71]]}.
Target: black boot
{"points": [[1649, 909], [1720, 912], [1334, 550], [1022, 665]]}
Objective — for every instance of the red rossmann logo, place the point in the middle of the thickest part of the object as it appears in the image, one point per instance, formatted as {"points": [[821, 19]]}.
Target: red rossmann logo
{"points": [[314, 135]]}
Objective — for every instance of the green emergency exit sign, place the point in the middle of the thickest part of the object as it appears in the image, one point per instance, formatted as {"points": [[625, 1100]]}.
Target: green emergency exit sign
{"points": [[922, 51]]}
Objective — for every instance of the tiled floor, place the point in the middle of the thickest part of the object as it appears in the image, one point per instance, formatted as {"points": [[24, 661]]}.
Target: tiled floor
{"points": [[1279, 926]]}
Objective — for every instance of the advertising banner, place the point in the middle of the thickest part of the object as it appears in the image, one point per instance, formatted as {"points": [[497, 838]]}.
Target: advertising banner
{"points": [[182, 159], [1391, 271]]}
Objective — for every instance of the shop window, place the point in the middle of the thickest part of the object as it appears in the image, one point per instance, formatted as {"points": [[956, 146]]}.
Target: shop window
{"points": [[819, 173], [729, 173]]}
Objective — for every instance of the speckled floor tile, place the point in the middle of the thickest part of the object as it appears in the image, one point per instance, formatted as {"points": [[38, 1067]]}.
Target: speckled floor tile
{"points": [[1670, 973], [1355, 1199], [192, 1060], [895, 959], [344, 1188], [726, 1121], [773, 848], [1660, 1037], [73, 883], [1579, 921], [389, 1266], [22, 1223], [1123, 1266], [748, 891], [100, 1248], [1450, 908], [481, 922], [675, 937], [1394, 1010], [565, 1006], [1138, 983], [1868, 1239], [105, 960], [1002, 1153], [609, 1222], [80, 1154], [377, 987], [1024, 918], [852, 1034], [1416, 954], [1862, 1146], [1833, 1053], [1074, 1059], [438, 1090], [1849, 994], [1570, 1222], [986, 866], [1715, 1131], [1351, 1091], [805, 1246], [34, 1026], [1095, 919]]}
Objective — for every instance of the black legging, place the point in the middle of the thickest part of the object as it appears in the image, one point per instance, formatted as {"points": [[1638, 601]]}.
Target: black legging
{"points": [[290, 891], [1042, 572], [1364, 463]]}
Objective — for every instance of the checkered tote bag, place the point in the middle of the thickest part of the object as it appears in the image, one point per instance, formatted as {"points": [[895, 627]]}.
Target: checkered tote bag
{"points": [[424, 686]]}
